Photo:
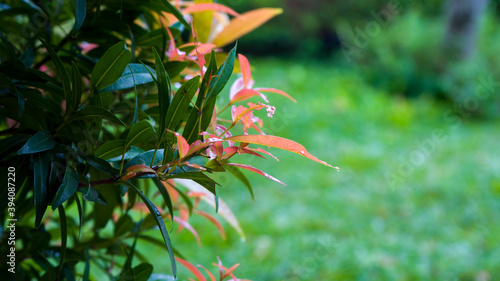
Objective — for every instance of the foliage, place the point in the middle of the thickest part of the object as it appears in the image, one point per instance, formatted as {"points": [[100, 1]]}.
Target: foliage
{"points": [[354, 227], [110, 116]]}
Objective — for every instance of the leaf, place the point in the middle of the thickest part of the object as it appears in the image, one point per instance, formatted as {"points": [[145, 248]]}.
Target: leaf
{"points": [[193, 126], [192, 269], [102, 165], [166, 196], [142, 131], [80, 12], [142, 272], [182, 145], [276, 91], [245, 69], [185, 224], [64, 237], [250, 168], [61, 70], [110, 66], [159, 221], [67, 187], [9, 145], [163, 84], [214, 221], [174, 68], [171, 9], [123, 226], [77, 88], [199, 178], [41, 171], [41, 141], [134, 72], [92, 111], [219, 80], [180, 102], [243, 24], [86, 270], [208, 197], [111, 149], [240, 176], [196, 8], [277, 142], [145, 158]]}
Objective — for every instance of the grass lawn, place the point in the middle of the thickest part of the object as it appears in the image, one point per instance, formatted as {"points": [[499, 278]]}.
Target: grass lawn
{"points": [[417, 198]]}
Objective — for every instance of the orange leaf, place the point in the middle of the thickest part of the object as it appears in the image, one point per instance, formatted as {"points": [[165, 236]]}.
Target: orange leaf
{"points": [[214, 221], [244, 94], [191, 268], [250, 168], [276, 91], [183, 145], [140, 169], [196, 8], [212, 278], [280, 143], [230, 271], [245, 23], [245, 68], [188, 226]]}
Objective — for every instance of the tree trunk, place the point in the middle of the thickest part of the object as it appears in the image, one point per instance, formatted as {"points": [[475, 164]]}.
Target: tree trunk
{"points": [[463, 27]]}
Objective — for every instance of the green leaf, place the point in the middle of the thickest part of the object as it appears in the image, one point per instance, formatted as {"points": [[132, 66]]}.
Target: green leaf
{"points": [[180, 102], [41, 141], [166, 197], [86, 270], [80, 12], [12, 144], [61, 70], [74, 99], [110, 66], [142, 131], [41, 171], [67, 188], [200, 178], [145, 158], [81, 211], [123, 226], [135, 72], [142, 272], [111, 149], [174, 68], [159, 221], [96, 112], [219, 81], [64, 237], [193, 127], [101, 164], [240, 176], [163, 84]]}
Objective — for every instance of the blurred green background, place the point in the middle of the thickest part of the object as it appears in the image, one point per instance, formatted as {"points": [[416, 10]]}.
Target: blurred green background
{"points": [[411, 118]]}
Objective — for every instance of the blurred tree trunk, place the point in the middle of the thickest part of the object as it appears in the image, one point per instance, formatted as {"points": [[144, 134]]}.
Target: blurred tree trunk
{"points": [[463, 27]]}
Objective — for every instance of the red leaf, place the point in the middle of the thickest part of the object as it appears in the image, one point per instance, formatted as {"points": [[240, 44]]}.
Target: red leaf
{"points": [[250, 168], [245, 68], [245, 94], [196, 8], [280, 143], [183, 145], [230, 271], [191, 268], [212, 278], [214, 221], [190, 228], [276, 91]]}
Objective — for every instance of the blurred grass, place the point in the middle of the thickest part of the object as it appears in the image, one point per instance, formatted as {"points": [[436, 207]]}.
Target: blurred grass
{"points": [[440, 221]]}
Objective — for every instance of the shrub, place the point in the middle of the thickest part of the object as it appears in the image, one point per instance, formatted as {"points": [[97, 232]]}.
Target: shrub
{"points": [[110, 128]]}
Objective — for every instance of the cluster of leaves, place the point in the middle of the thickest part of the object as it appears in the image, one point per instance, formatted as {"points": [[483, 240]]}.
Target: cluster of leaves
{"points": [[107, 106]]}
